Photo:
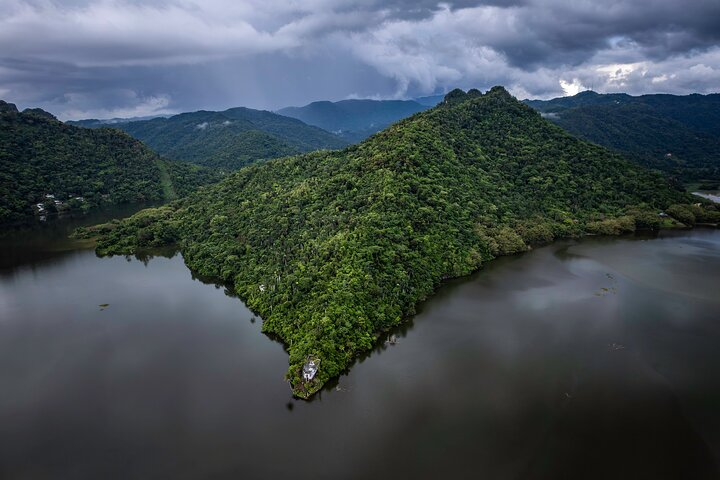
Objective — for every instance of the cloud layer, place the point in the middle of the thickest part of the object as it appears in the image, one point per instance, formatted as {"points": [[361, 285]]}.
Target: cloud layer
{"points": [[109, 58]]}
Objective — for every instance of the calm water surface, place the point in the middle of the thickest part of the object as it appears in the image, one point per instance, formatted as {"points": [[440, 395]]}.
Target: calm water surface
{"points": [[585, 359]]}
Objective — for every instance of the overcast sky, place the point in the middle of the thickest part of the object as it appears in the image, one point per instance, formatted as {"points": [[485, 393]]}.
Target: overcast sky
{"points": [[107, 58]]}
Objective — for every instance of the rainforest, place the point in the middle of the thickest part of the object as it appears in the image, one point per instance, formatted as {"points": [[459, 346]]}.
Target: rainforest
{"points": [[332, 248]]}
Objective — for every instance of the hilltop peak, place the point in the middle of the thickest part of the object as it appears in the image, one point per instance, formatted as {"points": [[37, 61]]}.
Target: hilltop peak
{"points": [[458, 96], [587, 93], [7, 107], [39, 112], [500, 91], [455, 96]]}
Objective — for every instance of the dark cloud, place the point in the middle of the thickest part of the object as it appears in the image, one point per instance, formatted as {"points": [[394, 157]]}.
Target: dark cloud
{"points": [[557, 32], [132, 57]]}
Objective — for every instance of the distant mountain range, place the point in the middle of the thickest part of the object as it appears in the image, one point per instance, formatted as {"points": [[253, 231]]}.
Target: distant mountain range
{"points": [[677, 134], [95, 123], [229, 139], [355, 120], [430, 101], [240, 136]]}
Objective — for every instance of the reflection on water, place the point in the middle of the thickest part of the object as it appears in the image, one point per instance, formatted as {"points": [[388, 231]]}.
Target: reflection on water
{"points": [[35, 242], [589, 359]]}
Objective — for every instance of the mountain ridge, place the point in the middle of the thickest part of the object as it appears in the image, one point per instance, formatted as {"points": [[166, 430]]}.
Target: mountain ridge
{"points": [[352, 119], [230, 139], [46, 165], [679, 135], [332, 248]]}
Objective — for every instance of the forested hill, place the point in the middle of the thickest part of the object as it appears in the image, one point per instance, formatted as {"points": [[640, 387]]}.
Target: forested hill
{"points": [[333, 247], [354, 120], [677, 134], [230, 139], [44, 161]]}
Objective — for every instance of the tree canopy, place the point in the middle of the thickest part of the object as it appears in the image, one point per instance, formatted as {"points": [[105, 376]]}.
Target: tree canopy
{"points": [[81, 168], [679, 135], [230, 139], [333, 247]]}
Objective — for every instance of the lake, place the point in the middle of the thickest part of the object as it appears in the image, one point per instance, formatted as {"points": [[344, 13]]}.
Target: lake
{"points": [[594, 358]]}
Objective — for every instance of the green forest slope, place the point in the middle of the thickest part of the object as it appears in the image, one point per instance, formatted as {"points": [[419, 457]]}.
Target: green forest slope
{"points": [[40, 156], [333, 247], [679, 135], [230, 139]]}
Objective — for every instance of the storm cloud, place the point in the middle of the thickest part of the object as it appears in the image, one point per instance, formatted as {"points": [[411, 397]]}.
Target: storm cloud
{"points": [[105, 58]]}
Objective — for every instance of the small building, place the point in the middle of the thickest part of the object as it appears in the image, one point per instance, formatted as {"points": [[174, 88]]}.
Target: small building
{"points": [[663, 215], [310, 368], [40, 207], [50, 196]]}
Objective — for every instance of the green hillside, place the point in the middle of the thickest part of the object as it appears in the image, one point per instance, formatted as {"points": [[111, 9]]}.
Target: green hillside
{"points": [[354, 120], [231, 139], [331, 248], [80, 168], [679, 135]]}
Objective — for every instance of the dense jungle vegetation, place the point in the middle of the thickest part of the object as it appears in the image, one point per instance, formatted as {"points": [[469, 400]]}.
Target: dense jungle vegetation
{"points": [[81, 168], [679, 135], [333, 247], [230, 139]]}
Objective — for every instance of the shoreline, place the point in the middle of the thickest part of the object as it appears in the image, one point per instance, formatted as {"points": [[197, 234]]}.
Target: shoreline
{"points": [[406, 321], [307, 392]]}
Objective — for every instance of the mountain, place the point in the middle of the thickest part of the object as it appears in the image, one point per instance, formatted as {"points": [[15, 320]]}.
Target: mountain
{"points": [[677, 134], [109, 122], [430, 101], [581, 99], [354, 120], [57, 166], [332, 248], [230, 139]]}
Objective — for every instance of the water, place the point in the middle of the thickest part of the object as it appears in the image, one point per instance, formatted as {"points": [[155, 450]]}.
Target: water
{"points": [[713, 196], [591, 359]]}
